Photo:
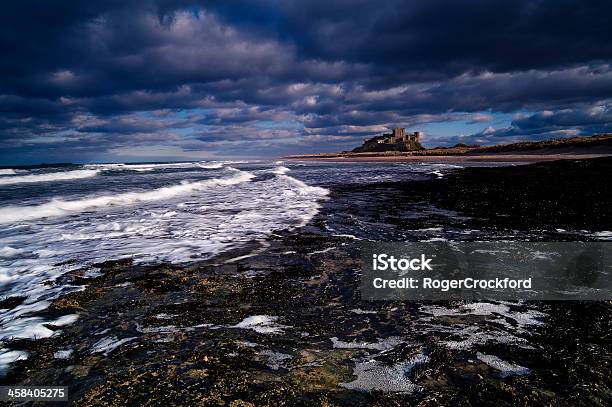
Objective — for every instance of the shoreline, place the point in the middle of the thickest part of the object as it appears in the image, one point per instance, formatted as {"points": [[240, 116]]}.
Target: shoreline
{"points": [[448, 158]]}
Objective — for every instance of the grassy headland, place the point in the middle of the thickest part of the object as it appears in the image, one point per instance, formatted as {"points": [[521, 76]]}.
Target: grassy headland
{"points": [[573, 148]]}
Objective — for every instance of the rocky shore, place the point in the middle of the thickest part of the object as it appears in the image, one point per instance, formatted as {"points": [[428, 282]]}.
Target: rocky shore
{"points": [[281, 322]]}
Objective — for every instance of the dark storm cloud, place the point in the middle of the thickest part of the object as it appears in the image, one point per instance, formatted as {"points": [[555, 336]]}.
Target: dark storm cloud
{"points": [[105, 75], [437, 36], [590, 119]]}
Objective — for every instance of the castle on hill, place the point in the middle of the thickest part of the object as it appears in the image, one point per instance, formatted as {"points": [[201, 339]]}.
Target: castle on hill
{"points": [[397, 140]]}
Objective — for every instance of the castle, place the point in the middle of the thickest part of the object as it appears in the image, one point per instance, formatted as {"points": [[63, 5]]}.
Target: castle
{"points": [[397, 140]]}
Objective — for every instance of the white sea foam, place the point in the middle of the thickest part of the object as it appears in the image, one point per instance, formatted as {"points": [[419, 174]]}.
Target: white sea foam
{"points": [[210, 166], [238, 161], [48, 177], [437, 169], [281, 170], [151, 167], [157, 329], [603, 235], [363, 311], [522, 318], [506, 323], [8, 251], [472, 335], [505, 369], [163, 165], [441, 165], [8, 171], [374, 375], [300, 189], [154, 166], [323, 251], [29, 327], [109, 344], [60, 207], [9, 356], [63, 354], [263, 324], [348, 236], [187, 221], [275, 360], [382, 344]]}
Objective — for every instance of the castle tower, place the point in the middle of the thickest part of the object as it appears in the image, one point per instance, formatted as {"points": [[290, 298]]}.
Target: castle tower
{"points": [[399, 134]]}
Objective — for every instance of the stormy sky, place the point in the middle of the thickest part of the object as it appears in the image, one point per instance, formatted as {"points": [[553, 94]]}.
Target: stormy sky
{"points": [[84, 81]]}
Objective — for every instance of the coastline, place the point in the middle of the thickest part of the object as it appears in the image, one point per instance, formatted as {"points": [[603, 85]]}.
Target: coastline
{"points": [[447, 158], [576, 148], [287, 325]]}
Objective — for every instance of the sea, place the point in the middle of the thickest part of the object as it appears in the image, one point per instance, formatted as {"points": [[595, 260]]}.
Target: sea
{"points": [[57, 219]]}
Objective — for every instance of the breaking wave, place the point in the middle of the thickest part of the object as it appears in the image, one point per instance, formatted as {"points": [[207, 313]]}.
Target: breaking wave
{"points": [[281, 170], [59, 207], [210, 166], [191, 219], [52, 176]]}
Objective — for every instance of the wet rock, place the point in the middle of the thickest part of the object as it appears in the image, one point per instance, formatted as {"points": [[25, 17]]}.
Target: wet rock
{"points": [[11, 302]]}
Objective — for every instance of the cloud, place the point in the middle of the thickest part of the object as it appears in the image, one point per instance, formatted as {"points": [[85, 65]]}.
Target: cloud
{"points": [[585, 120], [79, 77]]}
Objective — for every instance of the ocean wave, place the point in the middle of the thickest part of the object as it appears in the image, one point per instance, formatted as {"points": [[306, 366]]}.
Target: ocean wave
{"points": [[441, 165], [178, 224], [210, 166], [239, 161], [48, 177], [8, 251], [8, 171], [281, 170], [313, 194], [153, 167], [59, 207], [149, 167], [139, 167], [303, 188]]}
